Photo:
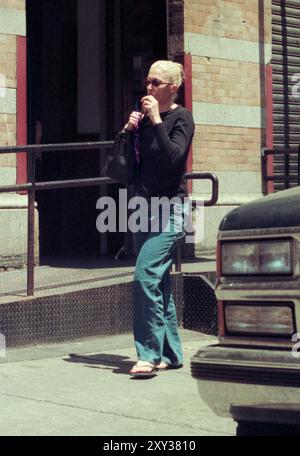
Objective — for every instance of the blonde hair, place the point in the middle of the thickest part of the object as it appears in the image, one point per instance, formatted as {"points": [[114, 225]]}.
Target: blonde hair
{"points": [[173, 71]]}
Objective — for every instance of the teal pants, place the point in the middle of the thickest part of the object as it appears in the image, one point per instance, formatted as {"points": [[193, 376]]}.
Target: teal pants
{"points": [[155, 322]]}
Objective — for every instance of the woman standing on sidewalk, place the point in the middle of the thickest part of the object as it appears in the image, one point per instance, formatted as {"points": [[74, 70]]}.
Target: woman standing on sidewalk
{"points": [[165, 132]]}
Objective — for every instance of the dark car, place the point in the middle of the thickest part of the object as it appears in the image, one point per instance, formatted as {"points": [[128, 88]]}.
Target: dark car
{"points": [[253, 373]]}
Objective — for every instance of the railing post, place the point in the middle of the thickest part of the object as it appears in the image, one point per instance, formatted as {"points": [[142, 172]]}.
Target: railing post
{"points": [[30, 224], [178, 261], [264, 170], [30, 243]]}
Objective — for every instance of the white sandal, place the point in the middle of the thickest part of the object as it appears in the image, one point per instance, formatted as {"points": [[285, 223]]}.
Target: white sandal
{"points": [[143, 369]]}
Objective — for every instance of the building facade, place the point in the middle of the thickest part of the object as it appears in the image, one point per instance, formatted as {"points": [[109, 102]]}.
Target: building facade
{"points": [[72, 70], [13, 124]]}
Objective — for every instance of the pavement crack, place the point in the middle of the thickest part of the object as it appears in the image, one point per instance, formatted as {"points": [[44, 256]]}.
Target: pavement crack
{"points": [[105, 412]]}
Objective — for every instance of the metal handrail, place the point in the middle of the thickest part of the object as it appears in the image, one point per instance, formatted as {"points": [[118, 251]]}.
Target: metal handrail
{"points": [[52, 185], [286, 178], [32, 186], [215, 185], [211, 202], [56, 147]]}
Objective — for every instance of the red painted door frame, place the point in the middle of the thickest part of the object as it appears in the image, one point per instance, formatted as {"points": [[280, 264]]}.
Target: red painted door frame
{"points": [[186, 61]]}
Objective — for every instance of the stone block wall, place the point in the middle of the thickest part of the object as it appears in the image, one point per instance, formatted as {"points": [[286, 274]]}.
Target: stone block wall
{"points": [[230, 44], [13, 207]]}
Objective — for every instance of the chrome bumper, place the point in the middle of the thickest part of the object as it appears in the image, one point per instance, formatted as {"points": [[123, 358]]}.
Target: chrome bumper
{"points": [[249, 383]]}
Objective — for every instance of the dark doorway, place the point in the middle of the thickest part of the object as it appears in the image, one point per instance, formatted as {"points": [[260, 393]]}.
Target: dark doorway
{"points": [[86, 63]]}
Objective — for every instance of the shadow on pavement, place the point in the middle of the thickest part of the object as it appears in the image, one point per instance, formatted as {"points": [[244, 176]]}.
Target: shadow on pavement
{"points": [[116, 363]]}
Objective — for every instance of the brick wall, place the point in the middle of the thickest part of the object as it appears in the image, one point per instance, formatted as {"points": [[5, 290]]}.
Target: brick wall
{"points": [[221, 148], [230, 44], [13, 4], [236, 19], [12, 206], [8, 80], [228, 80]]}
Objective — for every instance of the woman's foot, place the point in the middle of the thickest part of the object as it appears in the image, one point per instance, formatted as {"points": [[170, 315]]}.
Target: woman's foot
{"points": [[143, 369]]}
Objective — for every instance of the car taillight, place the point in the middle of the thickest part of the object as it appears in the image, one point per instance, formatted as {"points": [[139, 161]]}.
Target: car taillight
{"points": [[259, 319]]}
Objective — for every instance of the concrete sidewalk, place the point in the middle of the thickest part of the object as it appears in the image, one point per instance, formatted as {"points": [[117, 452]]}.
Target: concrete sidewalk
{"points": [[46, 392]]}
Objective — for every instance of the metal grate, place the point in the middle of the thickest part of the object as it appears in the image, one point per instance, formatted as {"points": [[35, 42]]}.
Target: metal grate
{"points": [[98, 311], [102, 310], [286, 100], [200, 305], [105, 310]]}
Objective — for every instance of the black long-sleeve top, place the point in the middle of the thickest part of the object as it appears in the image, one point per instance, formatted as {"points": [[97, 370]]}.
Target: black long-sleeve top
{"points": [[163, 153]]}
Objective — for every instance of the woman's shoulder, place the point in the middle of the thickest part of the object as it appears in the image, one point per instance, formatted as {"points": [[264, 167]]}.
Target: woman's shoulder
{"points": [[179, 111], [183, 113]]}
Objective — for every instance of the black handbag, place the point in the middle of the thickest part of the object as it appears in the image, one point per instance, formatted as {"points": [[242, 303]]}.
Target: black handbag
{"points": [[120, 162]]}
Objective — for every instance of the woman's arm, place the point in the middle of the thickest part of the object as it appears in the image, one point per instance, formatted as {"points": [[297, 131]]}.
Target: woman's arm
{"points": [[175, 145]]}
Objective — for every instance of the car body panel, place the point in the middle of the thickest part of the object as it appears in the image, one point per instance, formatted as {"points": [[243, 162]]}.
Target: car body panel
{"points": [[277, 210], [230, 379], [256, 377]]}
